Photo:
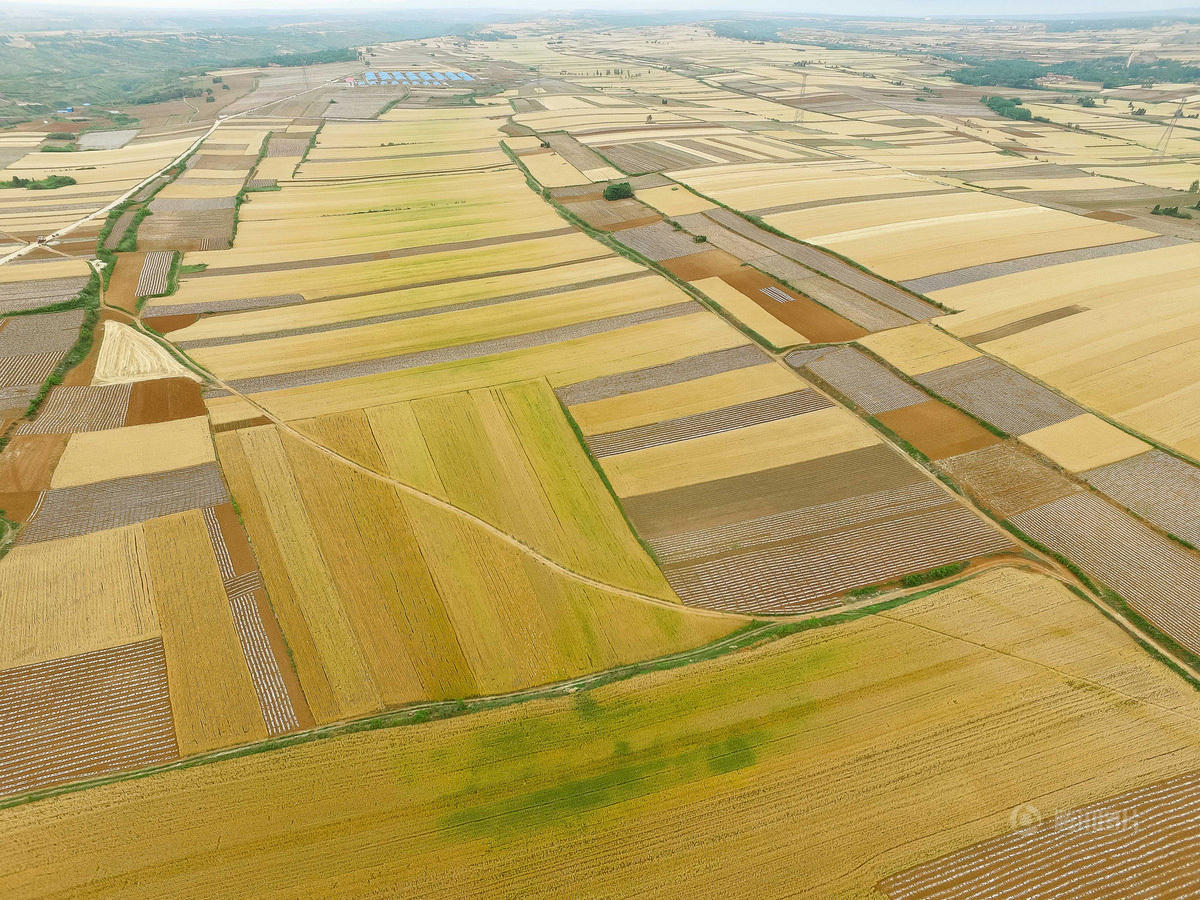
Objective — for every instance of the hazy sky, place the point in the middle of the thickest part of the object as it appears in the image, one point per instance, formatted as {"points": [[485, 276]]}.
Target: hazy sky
{"points": [[848, 7]]}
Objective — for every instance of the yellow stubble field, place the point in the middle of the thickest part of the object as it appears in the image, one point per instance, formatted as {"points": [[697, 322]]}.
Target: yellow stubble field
{"points": [[813, 765]]}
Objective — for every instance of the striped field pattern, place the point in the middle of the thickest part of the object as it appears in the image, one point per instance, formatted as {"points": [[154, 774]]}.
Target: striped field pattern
{"points": [[1158, 487], [460, 352], [777, 295], [84, 408], [85, 508], [688, 545], [156, 267], [868, 384], [754, 412], [22, 295], [829, 265], [1158, 578], [32, 368], [1144, 843], [98, 712], [992, 391], [803, 575], [692, 367], [273, 699]]}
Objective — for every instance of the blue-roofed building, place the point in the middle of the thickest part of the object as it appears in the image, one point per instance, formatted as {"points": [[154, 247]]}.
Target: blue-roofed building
{"points": [[450, 76], [425, 76], [465, 77], [412, 76]]}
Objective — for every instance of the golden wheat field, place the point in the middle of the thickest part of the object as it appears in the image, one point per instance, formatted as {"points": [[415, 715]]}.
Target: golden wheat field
{"points": [[711, 776]]}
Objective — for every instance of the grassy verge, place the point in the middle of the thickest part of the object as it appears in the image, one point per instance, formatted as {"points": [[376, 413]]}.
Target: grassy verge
{"points": [[128, 242], [8, 532], [89, 299], [312, 142]]}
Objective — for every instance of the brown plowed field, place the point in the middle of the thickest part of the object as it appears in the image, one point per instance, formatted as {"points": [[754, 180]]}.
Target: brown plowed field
{"points": [[122, 284], [938, 430], [816, 322], [167, 324], [704, 264], [163, 400]]}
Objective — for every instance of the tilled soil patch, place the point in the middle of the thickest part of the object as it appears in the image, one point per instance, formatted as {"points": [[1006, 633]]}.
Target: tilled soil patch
{"points": [[167, 324], [1006, 479], [814, 321], [91, 714], [704, 264], [163, 400], [938, 430]]}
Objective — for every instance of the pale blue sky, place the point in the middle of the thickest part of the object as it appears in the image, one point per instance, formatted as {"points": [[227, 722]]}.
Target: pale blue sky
{"points": [[844, 7]]}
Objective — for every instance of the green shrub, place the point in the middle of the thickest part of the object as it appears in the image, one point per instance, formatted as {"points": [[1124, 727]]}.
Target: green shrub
{"points": [[622, 190]]}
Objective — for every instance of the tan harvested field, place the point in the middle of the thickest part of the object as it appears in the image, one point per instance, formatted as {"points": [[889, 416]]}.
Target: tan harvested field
{"points": [[1084, 442], [918, 348], [135, 450], [707, 777], [127, 355], [67, 597], [1112, 355], [212, 695]]}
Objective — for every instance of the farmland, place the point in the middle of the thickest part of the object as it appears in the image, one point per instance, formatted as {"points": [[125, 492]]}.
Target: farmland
{"points": [[547, 460], [680, 759]]}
